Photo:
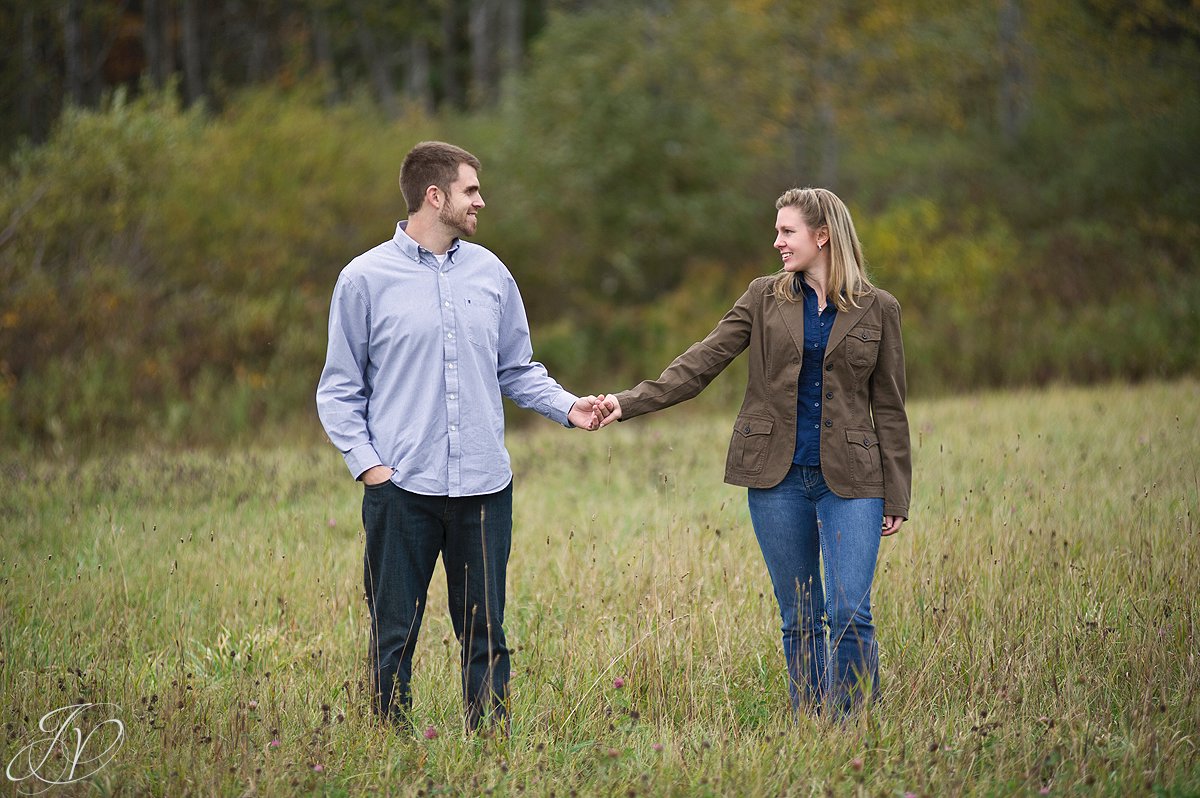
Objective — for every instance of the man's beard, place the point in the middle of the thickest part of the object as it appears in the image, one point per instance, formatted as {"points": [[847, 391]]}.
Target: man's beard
{"points": [[457, 221]]}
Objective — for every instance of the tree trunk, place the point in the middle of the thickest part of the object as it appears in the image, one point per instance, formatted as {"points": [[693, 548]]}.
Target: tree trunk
{"points": [[101, 39], [1013, 98], [480, 28], [72, 55], [190, 32], [418, 71], [827, 170], [28, 75], [798, 115], [798, 118], [826, 71], [323, 54], [152, 33], [512, 36], [377, 64], [167, 36], [451, 85], [256, 59]]}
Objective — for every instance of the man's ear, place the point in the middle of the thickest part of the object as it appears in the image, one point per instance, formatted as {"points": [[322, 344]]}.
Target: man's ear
{"points": [[433, 196]]}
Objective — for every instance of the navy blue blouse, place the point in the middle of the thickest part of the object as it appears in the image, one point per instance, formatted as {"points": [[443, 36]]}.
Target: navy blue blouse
{"points": [[808, 416]]}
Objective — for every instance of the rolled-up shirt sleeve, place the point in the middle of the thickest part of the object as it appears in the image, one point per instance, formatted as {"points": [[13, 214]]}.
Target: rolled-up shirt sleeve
{"points": [[342, 393]]}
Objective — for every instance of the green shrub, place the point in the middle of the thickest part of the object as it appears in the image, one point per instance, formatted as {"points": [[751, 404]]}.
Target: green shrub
{"points": [[160, 261], [167, 272]]}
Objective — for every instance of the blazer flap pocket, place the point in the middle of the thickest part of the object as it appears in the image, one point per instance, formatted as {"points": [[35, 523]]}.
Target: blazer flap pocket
{"points": [[753, 425], [866, 333], [862, 437]]}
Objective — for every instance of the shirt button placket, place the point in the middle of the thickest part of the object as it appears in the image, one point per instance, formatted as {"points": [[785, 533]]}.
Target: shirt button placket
{"points": [[450, 350]]}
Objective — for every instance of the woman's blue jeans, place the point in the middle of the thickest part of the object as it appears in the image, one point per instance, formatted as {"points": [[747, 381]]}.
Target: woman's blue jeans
{"points": [[405, 534], [800, 524]]}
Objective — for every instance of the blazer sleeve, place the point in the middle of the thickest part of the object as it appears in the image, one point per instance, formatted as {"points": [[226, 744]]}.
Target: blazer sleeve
{"points": [[888, 389], [691, 372]]}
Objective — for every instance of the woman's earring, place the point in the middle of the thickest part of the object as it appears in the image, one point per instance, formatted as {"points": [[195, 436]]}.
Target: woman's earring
{"points": [[819, 246]]}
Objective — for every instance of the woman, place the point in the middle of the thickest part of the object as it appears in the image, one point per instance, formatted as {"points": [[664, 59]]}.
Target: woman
{"points": [[821, 441]]}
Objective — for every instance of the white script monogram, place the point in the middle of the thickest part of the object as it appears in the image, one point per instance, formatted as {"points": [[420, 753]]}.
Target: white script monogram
{"points": [[69, 753]]}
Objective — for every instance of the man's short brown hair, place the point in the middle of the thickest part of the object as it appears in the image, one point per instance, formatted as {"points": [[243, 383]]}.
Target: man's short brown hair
{"points": [[431, 163]]}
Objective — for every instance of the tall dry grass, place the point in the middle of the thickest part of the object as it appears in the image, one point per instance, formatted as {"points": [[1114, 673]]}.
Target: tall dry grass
{"points": [[1036, 617]]}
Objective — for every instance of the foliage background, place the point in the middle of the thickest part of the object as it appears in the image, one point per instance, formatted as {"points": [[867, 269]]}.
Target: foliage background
{"points": [[1027, 190]]}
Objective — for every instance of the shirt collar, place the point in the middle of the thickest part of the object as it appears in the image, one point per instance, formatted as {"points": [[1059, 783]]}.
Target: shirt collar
{"points": [[806, 290], [413, 250], [810, 294]]}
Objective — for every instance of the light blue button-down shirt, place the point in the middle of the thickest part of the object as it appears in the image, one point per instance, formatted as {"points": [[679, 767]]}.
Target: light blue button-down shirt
{"points": [[419, 357]]}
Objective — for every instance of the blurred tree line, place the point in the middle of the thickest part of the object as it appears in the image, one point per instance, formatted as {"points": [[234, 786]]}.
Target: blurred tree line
{"points": [[1024, 175], [431, 53]]}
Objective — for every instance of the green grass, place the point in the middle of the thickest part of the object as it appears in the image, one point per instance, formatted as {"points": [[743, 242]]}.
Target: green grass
{"points": [[1036, 616]]}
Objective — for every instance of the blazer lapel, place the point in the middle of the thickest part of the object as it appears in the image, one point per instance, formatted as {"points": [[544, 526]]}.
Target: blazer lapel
{"points": [[793, 319], [845, 321]]}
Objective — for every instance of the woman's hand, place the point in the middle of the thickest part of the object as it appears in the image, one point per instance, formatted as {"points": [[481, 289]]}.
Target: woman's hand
{"points": [[891, 525], [608, 410]]}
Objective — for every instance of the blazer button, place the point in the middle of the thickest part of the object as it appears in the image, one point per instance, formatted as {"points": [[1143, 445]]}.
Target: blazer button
{"points": [[829, 395], [829, 367], [746, 429], [828, 423]]}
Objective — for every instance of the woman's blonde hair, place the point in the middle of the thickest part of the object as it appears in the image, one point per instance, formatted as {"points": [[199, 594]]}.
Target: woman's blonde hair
{"points": [[819, 208]]}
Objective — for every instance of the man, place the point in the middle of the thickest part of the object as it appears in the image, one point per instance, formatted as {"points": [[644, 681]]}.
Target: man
{"points": [[426, 333]]}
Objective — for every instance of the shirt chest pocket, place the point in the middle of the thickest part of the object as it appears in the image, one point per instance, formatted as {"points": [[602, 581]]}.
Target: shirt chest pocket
{"points": [[862, 346], [482, 315]]}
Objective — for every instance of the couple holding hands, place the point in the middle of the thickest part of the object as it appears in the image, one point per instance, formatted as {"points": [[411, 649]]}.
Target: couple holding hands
{"points": [[427, 333]]}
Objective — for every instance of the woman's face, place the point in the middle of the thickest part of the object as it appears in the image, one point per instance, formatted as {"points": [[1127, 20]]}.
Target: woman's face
{"points": [[797, 244]]}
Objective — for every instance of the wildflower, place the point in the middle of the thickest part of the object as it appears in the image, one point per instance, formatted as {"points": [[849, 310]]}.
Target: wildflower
{"points": [[332, 522], [658, 747], [253, 704], [618, 682], [273, 744], [318, 767], [613, 753], [430, 732], [856, 763], [1045, 790]]}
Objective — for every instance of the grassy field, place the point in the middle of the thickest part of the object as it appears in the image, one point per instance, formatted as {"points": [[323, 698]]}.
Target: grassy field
{"points": [[1037, 617]]}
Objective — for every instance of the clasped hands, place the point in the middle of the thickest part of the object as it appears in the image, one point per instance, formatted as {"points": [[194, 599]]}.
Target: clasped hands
{"points": [[593, 412]]}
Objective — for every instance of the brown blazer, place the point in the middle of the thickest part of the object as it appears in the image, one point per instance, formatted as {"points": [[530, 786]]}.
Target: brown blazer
{"points": [[864, 430]]}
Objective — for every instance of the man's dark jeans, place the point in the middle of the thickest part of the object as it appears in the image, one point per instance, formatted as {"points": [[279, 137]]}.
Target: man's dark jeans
{"points": [[405, 533]]}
